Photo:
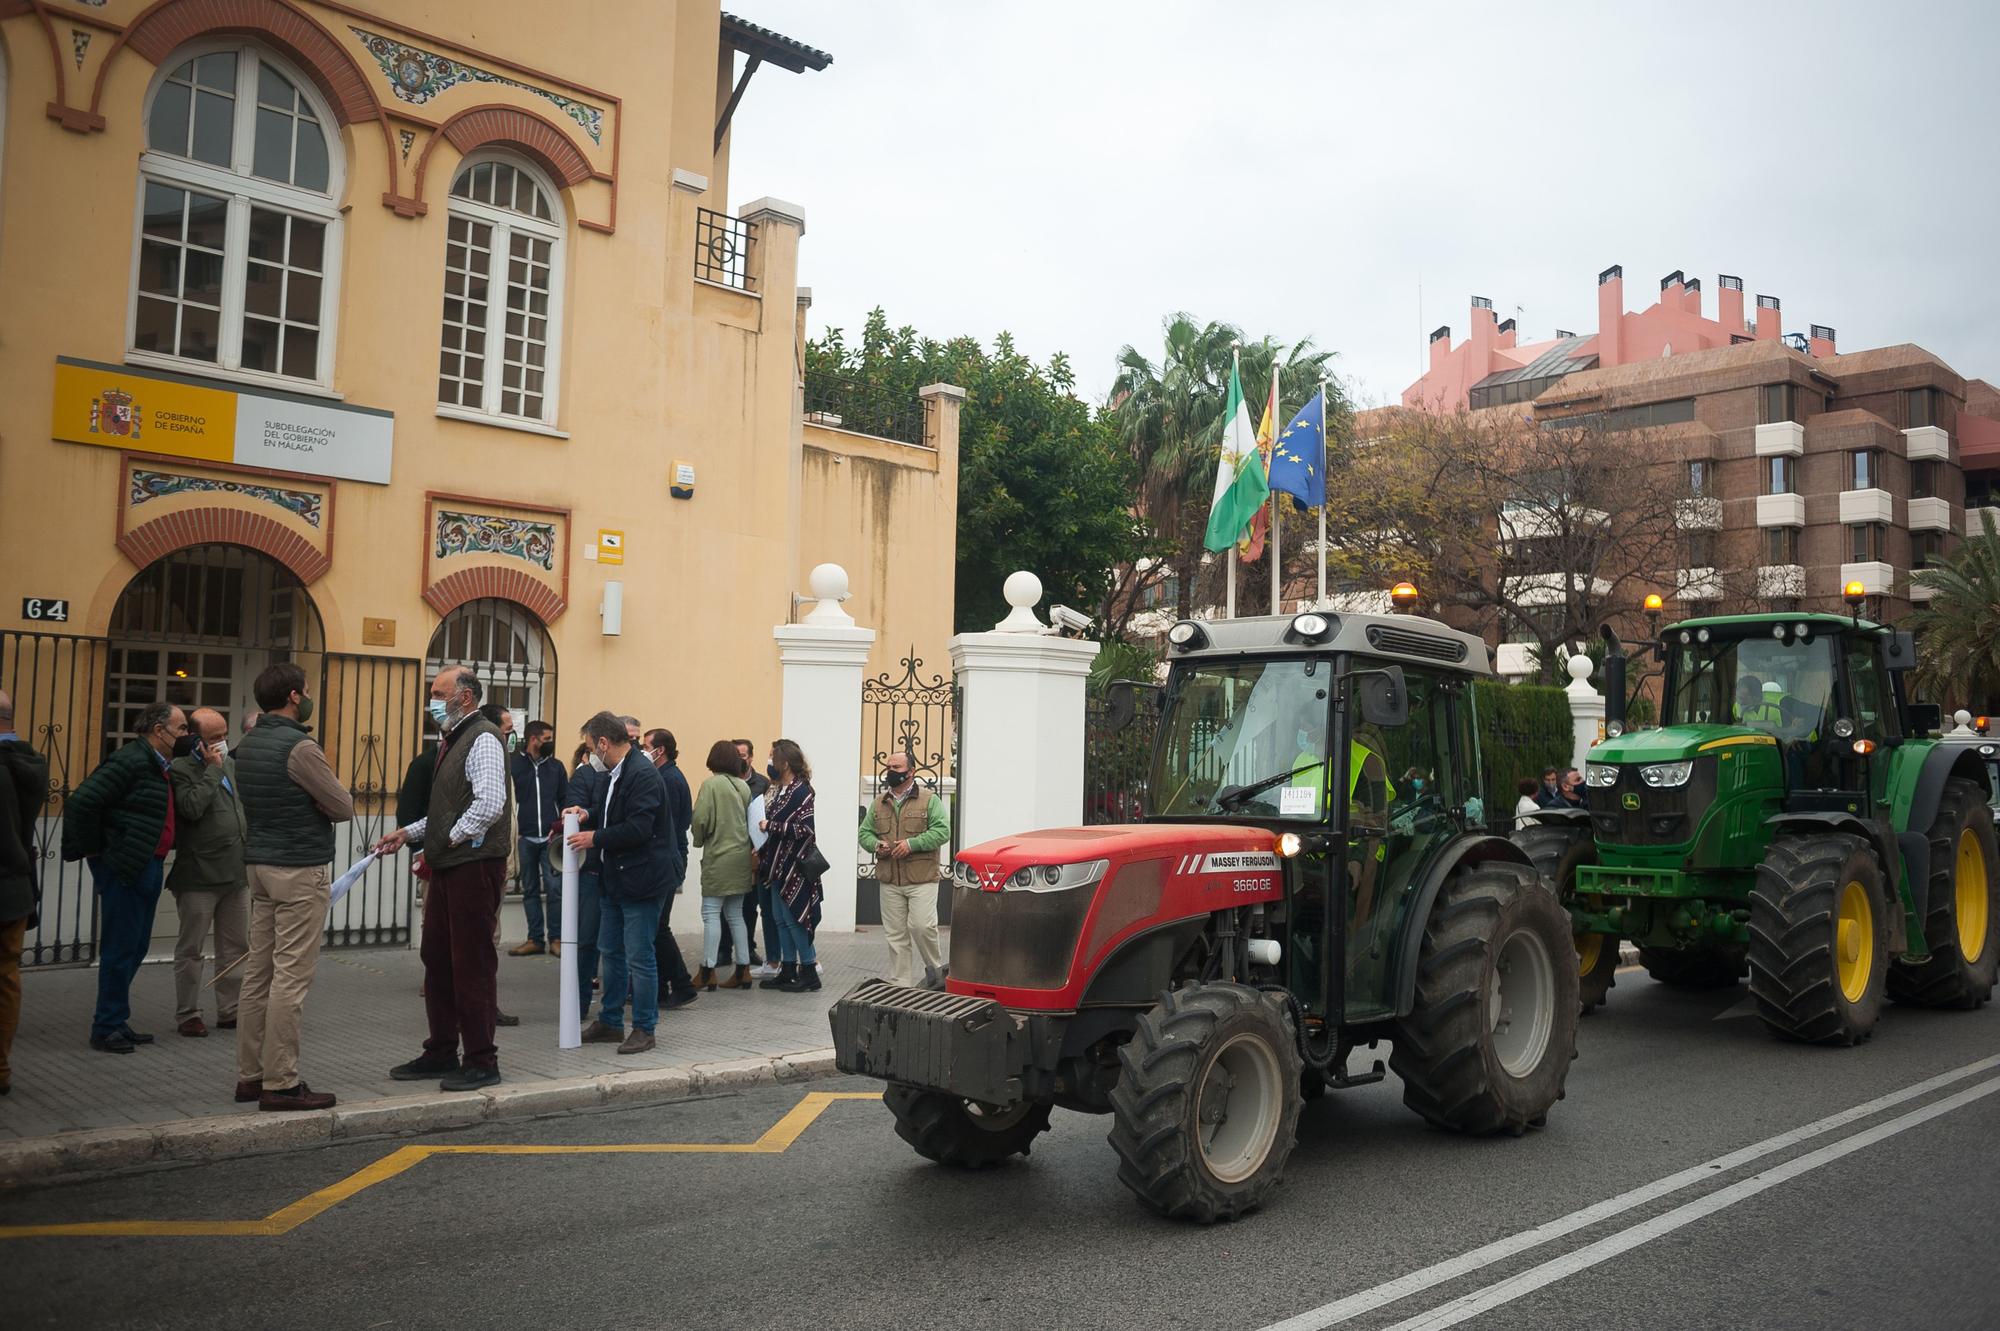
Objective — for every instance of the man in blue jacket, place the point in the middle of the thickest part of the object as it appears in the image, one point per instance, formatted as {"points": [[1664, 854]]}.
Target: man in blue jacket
{"points": [[540, 789], [624, 826], [676, 985]]}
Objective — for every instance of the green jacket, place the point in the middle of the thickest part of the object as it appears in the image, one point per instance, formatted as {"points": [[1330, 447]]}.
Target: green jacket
{"points": [[119, 812], [937, 827], [210, 826], [722, 829], [24, 789]]}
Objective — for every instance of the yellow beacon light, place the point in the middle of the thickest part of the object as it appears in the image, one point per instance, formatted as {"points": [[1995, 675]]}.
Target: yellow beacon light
{"points": [[1654, 603], [1403, 595], [1855, 593]]}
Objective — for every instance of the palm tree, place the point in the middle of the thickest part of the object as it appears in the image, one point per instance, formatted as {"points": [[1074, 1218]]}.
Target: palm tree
{"points": [[1958, 632], [1169, 418]]}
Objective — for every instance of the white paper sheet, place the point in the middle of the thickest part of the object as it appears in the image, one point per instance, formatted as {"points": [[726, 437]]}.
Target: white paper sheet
{"points": [[345, 883]]}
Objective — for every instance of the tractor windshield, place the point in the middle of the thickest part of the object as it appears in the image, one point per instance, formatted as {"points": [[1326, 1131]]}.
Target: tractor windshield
{"points": [[1245, 737], [1782, 686]]}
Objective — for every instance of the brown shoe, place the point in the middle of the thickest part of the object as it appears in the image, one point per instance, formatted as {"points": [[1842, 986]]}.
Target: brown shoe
{"points": [[638, 1042], [555, 947], [226, 1024], [300, 1096], [703, 979], [528, 949], [598, 1033], [740, 980], [194, 1028], [249, 1091]]}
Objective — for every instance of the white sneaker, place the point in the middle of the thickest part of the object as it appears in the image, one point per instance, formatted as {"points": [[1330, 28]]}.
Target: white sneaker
{"points": [[765, 971]]}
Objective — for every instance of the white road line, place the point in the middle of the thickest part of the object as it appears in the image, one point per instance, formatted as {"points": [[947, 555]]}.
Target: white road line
{"points": [[1367, 1300], [1558, 1268]]}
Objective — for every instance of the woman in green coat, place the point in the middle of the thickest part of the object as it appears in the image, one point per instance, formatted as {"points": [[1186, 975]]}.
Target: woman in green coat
{"points": [[721, 829]]}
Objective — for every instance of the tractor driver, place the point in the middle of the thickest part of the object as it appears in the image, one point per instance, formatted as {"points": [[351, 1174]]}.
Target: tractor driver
{"points": [[1754, 707]]}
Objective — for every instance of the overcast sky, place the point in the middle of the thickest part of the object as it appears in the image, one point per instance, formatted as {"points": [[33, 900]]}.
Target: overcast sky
{"points": [[1073, 172]]}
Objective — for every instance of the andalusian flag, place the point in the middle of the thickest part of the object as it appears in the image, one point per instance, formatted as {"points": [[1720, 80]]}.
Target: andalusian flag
{"points": [[1252, 545], [1240, 486]]}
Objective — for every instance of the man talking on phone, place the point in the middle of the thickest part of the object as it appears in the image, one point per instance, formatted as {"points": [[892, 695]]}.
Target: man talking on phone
{"points": [[208, 878]]}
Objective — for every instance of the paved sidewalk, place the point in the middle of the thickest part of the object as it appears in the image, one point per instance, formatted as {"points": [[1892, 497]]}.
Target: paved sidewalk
{"points": [[362, 1018]]}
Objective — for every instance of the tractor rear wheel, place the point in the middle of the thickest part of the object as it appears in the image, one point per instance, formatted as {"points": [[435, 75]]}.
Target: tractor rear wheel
{"points": [[1819, 939], [1557, 850], [1490, 1040], [964, 1133], [1963, 908], [1206, 1110], [1694, 967]]}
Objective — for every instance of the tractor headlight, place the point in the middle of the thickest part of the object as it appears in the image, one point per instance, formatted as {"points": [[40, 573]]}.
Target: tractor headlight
{"points": [[1662, 775], [1057, 877], [1600, 774], [1290, 844], [1613, 729], [964, 874]]}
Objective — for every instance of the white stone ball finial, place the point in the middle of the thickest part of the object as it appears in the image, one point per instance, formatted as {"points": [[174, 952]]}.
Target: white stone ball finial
{"points": [[1023, 591], [829, 586], [1579, 667], [1962, 719]]}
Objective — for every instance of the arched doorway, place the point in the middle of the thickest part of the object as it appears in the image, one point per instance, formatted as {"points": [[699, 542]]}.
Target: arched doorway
{"points": [[508, 647], [196, 627]]}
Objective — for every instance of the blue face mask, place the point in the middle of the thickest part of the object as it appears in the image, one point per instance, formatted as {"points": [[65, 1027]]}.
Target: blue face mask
{"points": [[1416, 783], [439, 711]]}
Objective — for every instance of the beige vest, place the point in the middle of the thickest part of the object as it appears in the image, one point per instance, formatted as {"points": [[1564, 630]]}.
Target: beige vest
{"points": [[894, 823]]}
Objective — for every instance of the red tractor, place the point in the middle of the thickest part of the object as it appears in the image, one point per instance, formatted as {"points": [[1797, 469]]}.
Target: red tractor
{"points": [[1314, 877]]}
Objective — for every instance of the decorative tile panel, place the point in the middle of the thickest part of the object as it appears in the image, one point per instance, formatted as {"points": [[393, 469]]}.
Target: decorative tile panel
{"points": [[484, 533], [417, 75], [146, 486]]}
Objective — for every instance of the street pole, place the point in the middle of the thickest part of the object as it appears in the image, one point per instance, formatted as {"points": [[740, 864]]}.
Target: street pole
{"points": [[1320, 604], [1277, 563], [1229, 555]]}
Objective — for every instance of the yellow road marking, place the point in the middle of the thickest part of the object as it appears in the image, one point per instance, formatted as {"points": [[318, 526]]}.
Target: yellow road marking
{"points": [[776, 1141]]}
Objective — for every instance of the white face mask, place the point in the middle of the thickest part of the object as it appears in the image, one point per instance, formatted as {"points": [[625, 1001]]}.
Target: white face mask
{"points": [[597, 762], [220, 748]]}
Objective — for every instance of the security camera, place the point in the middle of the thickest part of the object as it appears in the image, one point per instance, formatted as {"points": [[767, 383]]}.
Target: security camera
{"points": [[1071, 622]]}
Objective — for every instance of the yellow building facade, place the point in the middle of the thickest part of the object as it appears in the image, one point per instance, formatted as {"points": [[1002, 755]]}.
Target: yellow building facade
{"points": [[381, 337]]}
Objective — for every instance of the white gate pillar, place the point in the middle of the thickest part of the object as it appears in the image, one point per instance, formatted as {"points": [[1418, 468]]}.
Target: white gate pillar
{"points": [[823, 660], [1020, 725], [1586, 709]]}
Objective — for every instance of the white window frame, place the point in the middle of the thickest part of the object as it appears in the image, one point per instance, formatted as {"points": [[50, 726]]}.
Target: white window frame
{"points": [[505, 222], [242, 190]]}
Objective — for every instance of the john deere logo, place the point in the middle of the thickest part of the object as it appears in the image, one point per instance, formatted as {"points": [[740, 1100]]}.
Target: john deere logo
{"points": [[1631, 801]]}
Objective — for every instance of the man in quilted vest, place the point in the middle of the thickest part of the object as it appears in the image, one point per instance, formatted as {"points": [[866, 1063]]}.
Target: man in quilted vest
{"points": [[465, 833], [903, 829], [121, 819]]}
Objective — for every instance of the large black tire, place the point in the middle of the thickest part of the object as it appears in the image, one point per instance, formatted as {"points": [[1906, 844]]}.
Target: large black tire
{"points": [[1557, 850], [957, 1132], [1206, 1110], [1490, 1039], [1695, 967], [1817, 966], [1962, 844]]}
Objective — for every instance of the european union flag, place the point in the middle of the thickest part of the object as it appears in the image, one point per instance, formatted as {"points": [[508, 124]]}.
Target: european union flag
{"points": [[1298, 458]]}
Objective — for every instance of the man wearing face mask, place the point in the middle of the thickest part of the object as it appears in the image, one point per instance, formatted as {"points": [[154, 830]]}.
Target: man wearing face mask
{"points": [[540, 788], [465, 833], [121, 819], [903, 829], [292, 800], [208, 881]]}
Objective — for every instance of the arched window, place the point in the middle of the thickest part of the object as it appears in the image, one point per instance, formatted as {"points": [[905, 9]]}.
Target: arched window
{"points": [[507, 647], [236, 259], [502, 293]]}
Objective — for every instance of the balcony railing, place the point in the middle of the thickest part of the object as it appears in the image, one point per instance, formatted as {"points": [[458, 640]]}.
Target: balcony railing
{"points": [[722, 246], [843, 403]]}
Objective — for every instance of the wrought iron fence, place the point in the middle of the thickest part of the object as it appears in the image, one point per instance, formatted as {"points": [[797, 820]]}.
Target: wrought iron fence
{"points": [[722, 246], [846, 403], [370, 722], [57, 683], [1116, 764], [907, 710]]}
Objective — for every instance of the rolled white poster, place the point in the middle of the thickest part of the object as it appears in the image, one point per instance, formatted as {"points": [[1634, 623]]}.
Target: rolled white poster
{"points": [[569, 1022]]}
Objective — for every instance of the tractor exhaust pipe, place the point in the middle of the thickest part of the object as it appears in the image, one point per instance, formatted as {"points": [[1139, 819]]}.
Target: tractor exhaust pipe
{"points": [[1614, 677]]}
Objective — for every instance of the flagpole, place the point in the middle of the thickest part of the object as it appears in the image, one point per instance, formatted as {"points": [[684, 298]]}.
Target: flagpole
{"points": [[1277, 563], [1323, 450], [1229, 556]]}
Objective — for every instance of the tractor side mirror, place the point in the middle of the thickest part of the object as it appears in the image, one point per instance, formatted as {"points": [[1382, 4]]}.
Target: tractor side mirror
{"points": [[1902, 650], [1923, 718], [1383, 698], [1121, 701]]}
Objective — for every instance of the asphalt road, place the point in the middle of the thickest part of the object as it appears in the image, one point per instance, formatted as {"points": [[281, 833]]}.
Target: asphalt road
{"points": [[1883, 1218]]}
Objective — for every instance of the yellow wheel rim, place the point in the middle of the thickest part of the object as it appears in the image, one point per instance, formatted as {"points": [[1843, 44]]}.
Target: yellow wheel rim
{"points": [[1854, 941], [1589, 951], [1971, 912]]}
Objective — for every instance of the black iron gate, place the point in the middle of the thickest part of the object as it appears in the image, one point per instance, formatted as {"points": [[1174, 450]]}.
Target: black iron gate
{"points": [[57, 683], [370, 721], [905, 710], [1116, 764]]}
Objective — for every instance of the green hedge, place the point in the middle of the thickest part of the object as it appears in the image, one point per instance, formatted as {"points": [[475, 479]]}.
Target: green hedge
{"points": [[1523, 728]]}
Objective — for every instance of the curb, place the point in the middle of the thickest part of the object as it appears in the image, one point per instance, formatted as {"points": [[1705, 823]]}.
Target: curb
{"points": [[70, 1156]]}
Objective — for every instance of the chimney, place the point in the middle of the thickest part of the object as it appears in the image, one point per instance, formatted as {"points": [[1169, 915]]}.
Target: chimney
{"points": [[1480, 341], [1729, 303], [1691, 297], [1509, 334], [1768, 319], [1820, 343], [1611, 316], [1671, 287], [1440, 346]]}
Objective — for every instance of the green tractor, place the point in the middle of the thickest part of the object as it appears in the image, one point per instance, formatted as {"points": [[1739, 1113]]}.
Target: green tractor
{"points": [[1791, 817]]}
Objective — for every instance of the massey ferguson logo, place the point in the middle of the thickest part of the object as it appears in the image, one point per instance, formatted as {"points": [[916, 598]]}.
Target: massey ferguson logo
{"points": [[114, 413], [1235, 861]]}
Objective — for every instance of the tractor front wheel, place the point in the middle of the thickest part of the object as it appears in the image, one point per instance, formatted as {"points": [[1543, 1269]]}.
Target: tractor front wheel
{"points": [[1819, 939], [1206, 1110], [1963, 908], [1694, 967], [1558, 850], [1490, 1039], [964, 1133]]}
